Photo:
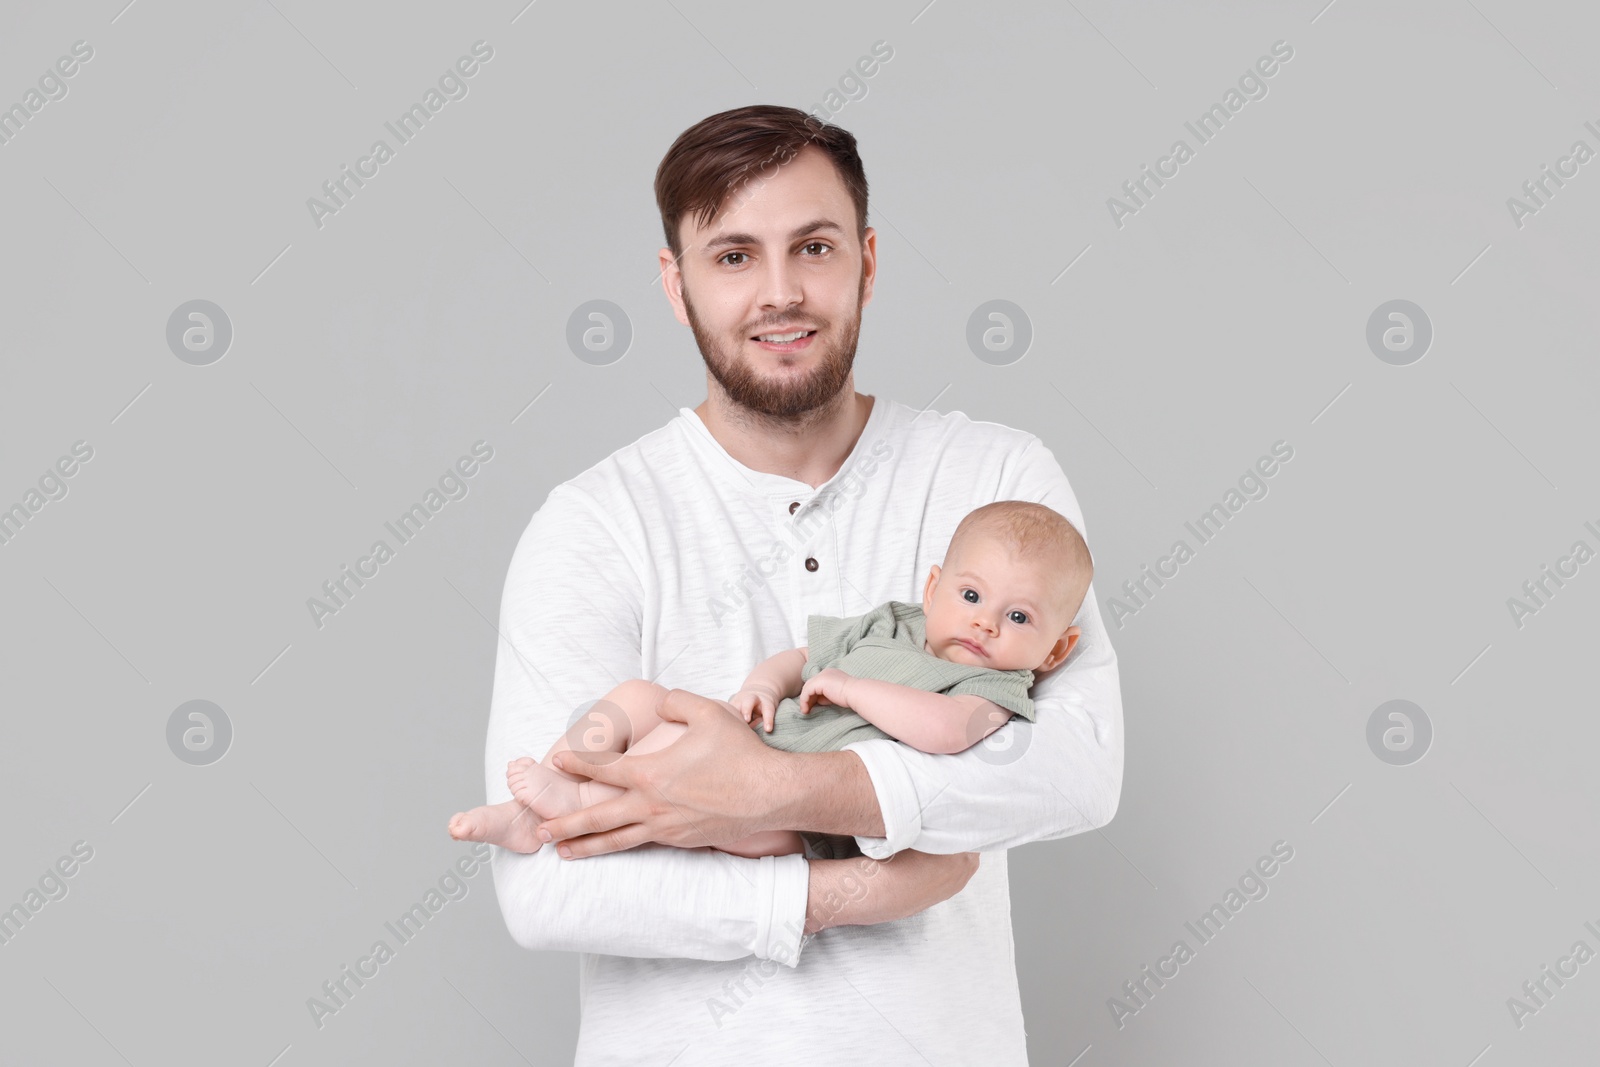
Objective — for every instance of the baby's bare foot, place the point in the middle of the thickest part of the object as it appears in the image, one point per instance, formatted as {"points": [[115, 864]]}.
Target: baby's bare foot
{"points": [[509, 825], [541, 789]]}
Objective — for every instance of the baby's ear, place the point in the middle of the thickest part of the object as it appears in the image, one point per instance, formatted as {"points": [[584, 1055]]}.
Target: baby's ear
{"points": [[1060, 650], [927, 587]]}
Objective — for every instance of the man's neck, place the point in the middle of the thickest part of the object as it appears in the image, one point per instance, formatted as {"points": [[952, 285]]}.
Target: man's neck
{"points": [[809, 448]]}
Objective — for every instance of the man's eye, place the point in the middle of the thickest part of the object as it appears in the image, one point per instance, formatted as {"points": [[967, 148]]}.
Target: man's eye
{"points": [[818, 244], [969, 595], [1019, 617], [724, 259]]}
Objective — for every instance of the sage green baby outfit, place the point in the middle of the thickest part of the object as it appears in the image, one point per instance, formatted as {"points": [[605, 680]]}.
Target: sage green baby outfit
{"points": [[887, 644]]}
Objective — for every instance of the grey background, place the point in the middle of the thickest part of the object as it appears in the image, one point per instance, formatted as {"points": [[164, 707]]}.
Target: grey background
{"points": [[369, 354]]}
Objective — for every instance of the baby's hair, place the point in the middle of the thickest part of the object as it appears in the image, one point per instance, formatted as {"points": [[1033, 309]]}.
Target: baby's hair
{"points": [[1033, 531]]}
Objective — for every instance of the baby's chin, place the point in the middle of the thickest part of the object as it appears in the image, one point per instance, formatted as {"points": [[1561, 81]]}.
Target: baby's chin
{"points": [[956, 652]]}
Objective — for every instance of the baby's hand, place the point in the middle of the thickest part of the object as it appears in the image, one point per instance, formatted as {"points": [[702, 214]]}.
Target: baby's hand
{"points": [[825, 687], [748, 701]]}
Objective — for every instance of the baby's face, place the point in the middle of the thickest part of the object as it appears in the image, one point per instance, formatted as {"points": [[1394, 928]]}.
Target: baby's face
{"points": [[991, 609]]}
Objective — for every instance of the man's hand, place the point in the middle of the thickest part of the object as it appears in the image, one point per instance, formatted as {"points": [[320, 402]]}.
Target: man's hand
{"points": [[827, 686], [862, 891], [712, 786], [757, 698]]}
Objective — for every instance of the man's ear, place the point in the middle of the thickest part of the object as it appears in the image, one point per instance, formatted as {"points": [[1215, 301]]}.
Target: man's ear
{"points": [[927, 588], [869, 263], [1060, 650], [672, 283]]}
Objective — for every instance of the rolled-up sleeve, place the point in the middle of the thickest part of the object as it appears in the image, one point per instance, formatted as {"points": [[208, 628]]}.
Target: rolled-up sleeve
{"points": [[1059, 776], [569, 631]]}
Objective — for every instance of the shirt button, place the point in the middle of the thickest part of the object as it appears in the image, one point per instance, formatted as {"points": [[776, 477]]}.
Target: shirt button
{"points": [[811, 563], [794, 507]]}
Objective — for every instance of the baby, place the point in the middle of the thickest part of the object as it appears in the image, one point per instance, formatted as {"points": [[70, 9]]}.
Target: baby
{"points": [[940, 677]]}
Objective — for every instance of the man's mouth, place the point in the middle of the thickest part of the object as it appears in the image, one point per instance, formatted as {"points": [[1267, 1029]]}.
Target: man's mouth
{"points": [[789, 341]]}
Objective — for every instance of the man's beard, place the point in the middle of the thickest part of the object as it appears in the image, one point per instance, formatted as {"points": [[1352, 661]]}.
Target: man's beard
{"points": [[780, 399]]}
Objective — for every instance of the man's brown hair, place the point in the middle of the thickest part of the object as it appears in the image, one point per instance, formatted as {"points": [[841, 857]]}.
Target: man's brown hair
{"points": [[715, 156]]}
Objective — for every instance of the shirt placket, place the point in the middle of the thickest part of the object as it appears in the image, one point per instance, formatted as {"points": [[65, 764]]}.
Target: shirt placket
{"points": [[814, 567]]}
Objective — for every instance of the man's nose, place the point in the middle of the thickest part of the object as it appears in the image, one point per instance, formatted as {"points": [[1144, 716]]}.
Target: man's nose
{"points": [[780, 285]]}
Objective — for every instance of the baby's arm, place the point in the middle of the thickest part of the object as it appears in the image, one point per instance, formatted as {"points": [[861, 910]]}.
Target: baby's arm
{"points": [[771, 681], [929, 722]]}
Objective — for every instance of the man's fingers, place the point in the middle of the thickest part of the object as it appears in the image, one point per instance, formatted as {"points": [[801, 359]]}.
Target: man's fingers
{"points": [[680, 705], [601, 844], [594, 820], [600, 766]]}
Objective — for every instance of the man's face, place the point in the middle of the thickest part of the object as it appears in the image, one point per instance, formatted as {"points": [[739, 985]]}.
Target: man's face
{"points": [[782, 258]]}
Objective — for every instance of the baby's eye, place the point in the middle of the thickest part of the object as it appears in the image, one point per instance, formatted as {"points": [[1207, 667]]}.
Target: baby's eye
{"points": [[1019, 617], [969, 595]]}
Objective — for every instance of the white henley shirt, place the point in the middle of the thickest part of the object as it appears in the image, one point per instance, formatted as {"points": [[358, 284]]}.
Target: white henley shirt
{"points": [[672, 561]]}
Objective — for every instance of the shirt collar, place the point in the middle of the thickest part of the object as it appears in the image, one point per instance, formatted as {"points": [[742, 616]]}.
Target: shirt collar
{"points": [[882, 420]]}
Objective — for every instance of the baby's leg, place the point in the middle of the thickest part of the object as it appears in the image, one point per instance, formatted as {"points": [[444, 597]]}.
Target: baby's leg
{"points": [[509, 825], [625, 714], [617, 722]]}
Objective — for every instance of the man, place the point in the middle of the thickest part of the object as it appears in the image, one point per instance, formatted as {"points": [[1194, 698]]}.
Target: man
{"points": [[698, 551]]}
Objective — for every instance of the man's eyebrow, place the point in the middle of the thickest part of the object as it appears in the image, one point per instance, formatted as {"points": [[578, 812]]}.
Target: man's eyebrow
{"points": [[814, 226]]}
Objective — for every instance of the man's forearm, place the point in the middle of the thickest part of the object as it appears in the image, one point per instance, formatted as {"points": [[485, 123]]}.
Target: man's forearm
{"points": [[828, 902], [1052, 778], [825, 793], [862, 891], [657, 902]]}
